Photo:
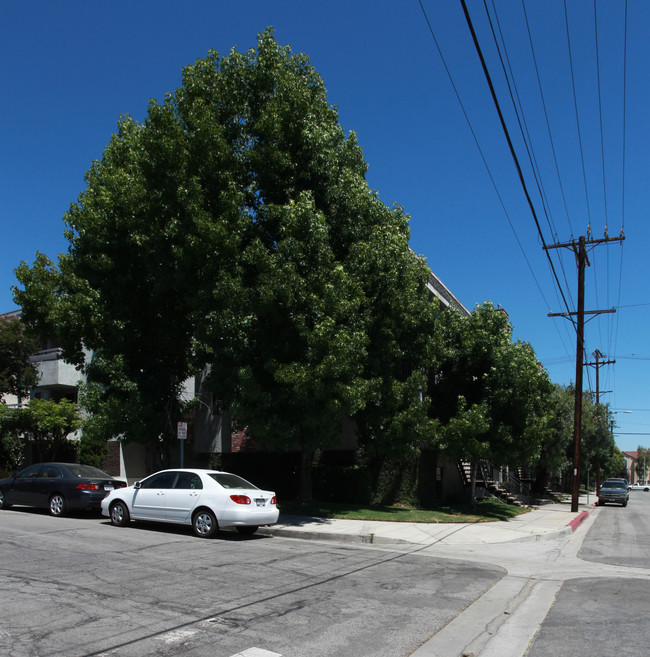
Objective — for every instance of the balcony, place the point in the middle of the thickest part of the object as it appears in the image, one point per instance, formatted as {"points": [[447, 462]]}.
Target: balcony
{"points": [[53, 371]]}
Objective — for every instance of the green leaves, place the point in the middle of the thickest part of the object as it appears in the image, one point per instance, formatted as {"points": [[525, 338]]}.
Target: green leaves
{"points": [[489, 392], [17, 374], [234, 231]]}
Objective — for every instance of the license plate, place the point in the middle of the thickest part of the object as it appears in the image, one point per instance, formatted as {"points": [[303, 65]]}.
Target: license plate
{"points": [[260, 502], [108, 487]]}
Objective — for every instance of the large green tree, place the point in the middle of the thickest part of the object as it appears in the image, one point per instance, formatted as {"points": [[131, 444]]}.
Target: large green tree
{"points": [[234, 230], [487, 390]]}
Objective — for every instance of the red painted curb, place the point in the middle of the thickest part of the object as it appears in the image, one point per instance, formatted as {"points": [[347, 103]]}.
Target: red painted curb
{"points": [[577, 521]]}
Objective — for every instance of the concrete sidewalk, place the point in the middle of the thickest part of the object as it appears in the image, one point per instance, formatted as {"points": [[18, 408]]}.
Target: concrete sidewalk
{"points": [[542, 523]]}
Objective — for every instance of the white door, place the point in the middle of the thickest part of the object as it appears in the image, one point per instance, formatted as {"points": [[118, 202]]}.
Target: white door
{"points": [[183, 497], [149, 499]]}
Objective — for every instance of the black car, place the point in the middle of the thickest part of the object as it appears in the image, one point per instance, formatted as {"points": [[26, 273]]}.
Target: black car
{"points": [[58, 487]]}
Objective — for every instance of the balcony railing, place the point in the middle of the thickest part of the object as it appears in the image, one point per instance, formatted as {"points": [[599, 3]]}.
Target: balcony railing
{"points": [[46, 354]]}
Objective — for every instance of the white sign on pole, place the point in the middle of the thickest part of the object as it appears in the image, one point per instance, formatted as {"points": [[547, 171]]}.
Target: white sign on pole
{"points": [[182, 430]]}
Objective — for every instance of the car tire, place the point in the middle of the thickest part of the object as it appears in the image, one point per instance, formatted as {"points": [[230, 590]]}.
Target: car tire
{"points": [[57, 505], [3, 500], [249, 530], [204, 523], [120, 514], [623, 503]]}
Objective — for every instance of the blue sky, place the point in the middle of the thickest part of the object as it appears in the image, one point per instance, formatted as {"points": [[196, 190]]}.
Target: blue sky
{"points": [[70, 69]]}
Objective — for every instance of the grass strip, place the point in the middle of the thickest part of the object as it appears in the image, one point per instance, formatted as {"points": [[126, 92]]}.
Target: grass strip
{"points": [[486, 511]]}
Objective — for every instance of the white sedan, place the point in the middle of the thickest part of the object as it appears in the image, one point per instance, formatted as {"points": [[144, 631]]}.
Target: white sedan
{"points": [[205, 499]]}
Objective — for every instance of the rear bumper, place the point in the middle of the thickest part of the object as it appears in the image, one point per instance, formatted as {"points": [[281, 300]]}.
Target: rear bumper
{"points": [[247, 517], [87, 499]]}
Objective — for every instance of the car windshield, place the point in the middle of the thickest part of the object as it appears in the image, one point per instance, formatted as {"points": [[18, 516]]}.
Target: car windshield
{"points": [[614, 484], [88, 471], [228, 480]]}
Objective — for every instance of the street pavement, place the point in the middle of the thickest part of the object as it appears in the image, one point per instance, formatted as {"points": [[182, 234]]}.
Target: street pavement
{"points": [[546, 522]]}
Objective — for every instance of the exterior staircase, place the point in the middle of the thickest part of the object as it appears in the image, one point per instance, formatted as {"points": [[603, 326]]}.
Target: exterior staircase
{"points": [[506, 486]]}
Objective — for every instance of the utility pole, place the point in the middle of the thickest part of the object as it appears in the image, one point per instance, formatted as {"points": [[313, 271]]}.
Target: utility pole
{"points": [[580, 250], [598, 364]]}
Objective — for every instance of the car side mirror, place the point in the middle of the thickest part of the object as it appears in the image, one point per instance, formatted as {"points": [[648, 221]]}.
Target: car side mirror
{"points": [[136, 485]]}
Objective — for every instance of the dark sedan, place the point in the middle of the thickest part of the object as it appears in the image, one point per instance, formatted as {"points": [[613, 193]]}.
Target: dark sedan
{"points": [[615, 491], [58, 487]]}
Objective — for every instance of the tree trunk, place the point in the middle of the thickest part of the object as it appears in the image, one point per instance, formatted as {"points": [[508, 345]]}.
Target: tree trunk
{"points": [[541, 479], [306, 460], [474, 468]]}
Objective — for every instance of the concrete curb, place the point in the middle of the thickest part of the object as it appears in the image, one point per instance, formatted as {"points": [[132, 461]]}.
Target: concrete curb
{"points": [[578, 520], [309, 535], [544, 527]]}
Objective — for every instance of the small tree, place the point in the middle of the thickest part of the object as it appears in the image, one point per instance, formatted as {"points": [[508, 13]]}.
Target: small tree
{"points": [[17, 374], [49, 424], [11, 442]]}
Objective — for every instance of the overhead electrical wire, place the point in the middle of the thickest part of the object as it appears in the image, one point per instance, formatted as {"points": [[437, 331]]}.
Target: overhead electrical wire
{"points": [[525, 133], [518, 109], [528, 144], [502, 52], [469, 123], [510, 145], [575, 105], [528, 149], [548, 125], [600, 116], [620, 273]]}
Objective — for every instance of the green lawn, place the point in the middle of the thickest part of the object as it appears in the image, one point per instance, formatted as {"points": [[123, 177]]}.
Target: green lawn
{"points": [[486, 511]]}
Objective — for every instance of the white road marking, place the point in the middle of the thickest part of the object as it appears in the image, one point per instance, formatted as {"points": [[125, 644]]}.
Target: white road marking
{"points": [[257, 652]]}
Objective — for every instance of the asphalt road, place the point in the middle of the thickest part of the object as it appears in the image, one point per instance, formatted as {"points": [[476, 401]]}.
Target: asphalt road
{"points": [[621, 536], [605, 616], [78, 587]]}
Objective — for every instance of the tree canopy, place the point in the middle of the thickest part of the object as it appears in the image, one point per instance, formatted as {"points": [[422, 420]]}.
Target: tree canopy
{"points": [[487, 390], [234, 230], [232, 233]]}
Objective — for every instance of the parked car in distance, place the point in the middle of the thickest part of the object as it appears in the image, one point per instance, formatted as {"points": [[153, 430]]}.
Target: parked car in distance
{"points": [[58, 487], [638, 486], [613, 490], [205, 499]]}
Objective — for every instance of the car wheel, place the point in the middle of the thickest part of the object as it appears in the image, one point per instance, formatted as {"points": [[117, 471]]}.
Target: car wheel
{"points": [[57, 505], [248, 530], [623, 503], [119, 514], [204, 523], [3, 500]]}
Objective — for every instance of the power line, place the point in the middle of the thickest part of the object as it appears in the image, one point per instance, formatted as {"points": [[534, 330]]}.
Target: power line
{"points": [[478, 146], [600, 115], [548, 125], [510, 145], [575, 105]]}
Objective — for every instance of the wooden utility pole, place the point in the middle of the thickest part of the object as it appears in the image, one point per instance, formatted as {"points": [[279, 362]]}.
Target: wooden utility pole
{"points": [[598, 364], [580, 249]]}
